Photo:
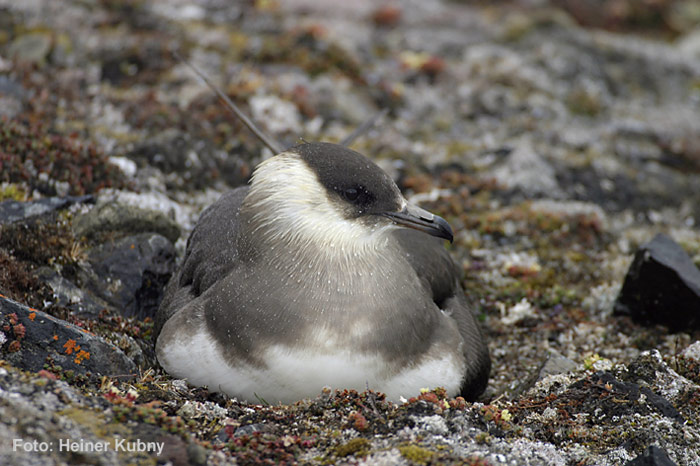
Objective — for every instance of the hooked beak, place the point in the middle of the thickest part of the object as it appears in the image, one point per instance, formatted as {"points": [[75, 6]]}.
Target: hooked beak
{"points": [[419, 219]]}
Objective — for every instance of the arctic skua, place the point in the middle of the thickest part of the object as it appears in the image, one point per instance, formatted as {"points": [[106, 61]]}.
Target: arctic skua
{"points": [[320, 273]]}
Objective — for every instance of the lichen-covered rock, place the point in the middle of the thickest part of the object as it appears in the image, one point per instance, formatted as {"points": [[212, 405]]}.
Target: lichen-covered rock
{"points": [[34, 340], [110, 217]]}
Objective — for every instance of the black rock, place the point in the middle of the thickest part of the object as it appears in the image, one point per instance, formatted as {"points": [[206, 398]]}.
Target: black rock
{"points": [[662, 286], [31, 338], [130, 273], [11, 211], [652, 456]]}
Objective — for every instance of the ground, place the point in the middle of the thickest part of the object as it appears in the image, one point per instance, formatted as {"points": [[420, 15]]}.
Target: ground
{"points": [[555, 137]]}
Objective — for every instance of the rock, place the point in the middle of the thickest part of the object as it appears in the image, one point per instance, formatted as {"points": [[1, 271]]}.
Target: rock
{"points": [[12, 211], [67, 294], [34, 339], [130, 273], [662, 286], [528, 172], [555, 364], [124, 218], [652, 456]]}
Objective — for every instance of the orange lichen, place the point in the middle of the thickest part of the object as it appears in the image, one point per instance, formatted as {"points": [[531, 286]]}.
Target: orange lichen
{"points": [[81, 356], [70, 346], [32, 316], [55, 337]]}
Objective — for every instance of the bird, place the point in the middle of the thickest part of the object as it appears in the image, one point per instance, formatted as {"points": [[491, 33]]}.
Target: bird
{"points": [[319, 273]]}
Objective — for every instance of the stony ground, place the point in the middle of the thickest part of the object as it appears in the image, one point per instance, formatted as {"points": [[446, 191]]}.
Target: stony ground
{"points": [[556, 138]]}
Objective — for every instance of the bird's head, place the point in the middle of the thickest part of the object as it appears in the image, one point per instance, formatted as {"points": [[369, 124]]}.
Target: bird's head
{"points": [[330, 194]]}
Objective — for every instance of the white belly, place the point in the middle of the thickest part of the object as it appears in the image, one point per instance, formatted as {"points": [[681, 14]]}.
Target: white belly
{"points": [[294, 374]]}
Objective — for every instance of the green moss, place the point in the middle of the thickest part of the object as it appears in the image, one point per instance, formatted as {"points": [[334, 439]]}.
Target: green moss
{"points": [[356, 447], [416, 454], [12, 192]]}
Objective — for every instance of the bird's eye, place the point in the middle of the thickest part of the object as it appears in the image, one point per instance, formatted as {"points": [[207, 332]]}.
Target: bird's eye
{"points": [[351, 194]]}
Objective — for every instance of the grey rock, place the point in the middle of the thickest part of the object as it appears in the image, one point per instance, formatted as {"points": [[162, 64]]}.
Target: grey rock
{"points": [[554, 364], [662, 286], [12, 211], [35, 338], [110, 217], [130, 273], [528, 172]]}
